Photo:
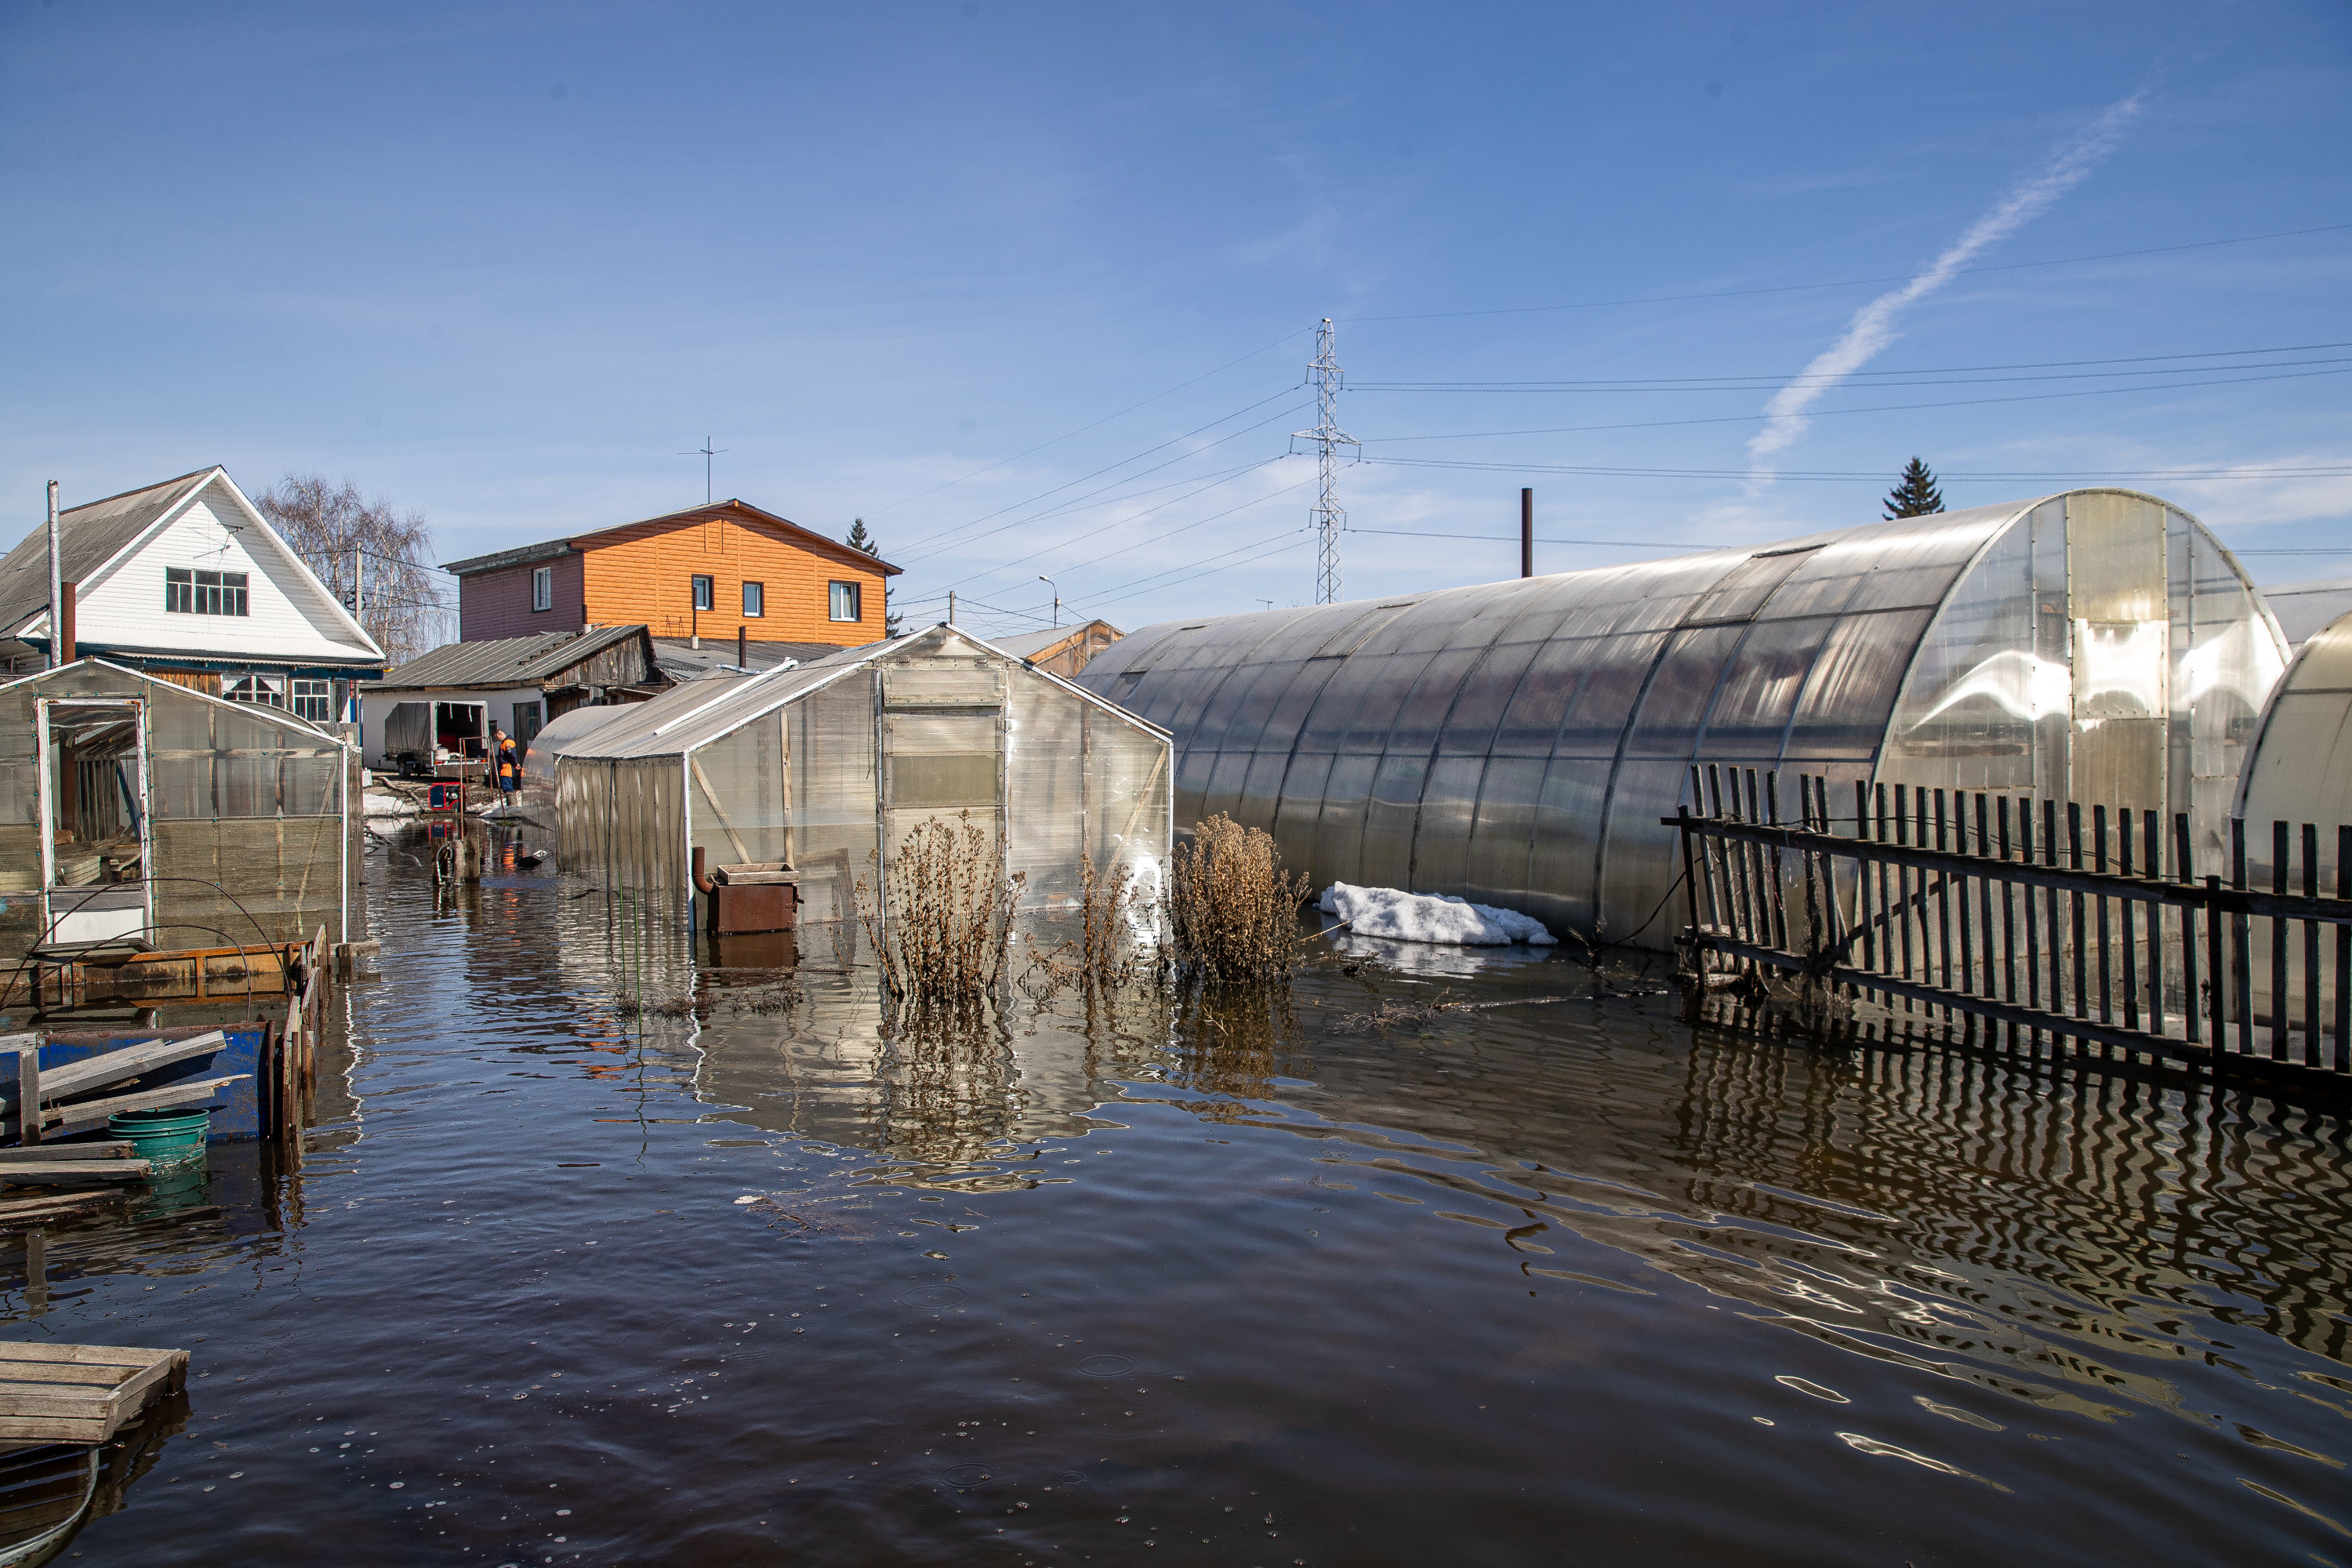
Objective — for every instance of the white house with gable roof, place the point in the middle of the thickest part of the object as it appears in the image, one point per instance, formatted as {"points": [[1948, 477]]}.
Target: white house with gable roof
{"points": [[187, 581]]}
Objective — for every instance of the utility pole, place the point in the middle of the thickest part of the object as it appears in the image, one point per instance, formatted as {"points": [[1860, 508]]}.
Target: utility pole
{"points": [[57, 588], [1329, 519]]}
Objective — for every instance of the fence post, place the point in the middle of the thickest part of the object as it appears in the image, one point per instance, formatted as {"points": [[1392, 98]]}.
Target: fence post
{"points": [[2184, 871], [2241, 972], [2343, 952], [2311, 1051]]}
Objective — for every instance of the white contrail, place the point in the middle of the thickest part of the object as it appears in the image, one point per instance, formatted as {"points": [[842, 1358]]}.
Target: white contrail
{"points": [[1873, 327]]}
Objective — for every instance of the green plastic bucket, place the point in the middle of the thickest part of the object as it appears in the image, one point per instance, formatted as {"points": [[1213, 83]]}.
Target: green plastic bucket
{"points": [[164, 1137]]}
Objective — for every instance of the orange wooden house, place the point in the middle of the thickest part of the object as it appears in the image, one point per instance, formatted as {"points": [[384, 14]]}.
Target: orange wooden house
{"points": [[708, 570]]}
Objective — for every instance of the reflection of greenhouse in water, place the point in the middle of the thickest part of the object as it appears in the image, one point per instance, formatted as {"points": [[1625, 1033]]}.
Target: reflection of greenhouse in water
{"points": [[1517, 742]]}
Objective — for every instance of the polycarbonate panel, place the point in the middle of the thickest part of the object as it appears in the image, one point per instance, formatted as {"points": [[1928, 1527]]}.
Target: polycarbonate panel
{"points": [[1337, 851], [1128, 800], [1495, 860], [736, 805], [1389, 816], [1479, 708], [1680, 692], [835, 800], [1299, 812], [1567, 840], [1442, 829], [1383, 702], [1223, 794], [1854, 679], [1758, 695], [1431, 700], [1261, 789], [1046, 800]]}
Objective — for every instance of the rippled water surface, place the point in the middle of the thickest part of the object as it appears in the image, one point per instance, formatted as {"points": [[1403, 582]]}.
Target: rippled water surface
{"points": [[729, 1278]]}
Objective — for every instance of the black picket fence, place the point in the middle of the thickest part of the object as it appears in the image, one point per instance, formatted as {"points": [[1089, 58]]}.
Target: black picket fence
{"points": [[2042, 916]]}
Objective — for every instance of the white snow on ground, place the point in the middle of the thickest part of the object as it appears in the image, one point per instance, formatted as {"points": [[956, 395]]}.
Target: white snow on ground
{"points": [[1430, 916], [376, 803]]}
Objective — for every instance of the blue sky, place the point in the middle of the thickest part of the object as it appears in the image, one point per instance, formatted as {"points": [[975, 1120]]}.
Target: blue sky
{"points": [[1032, 287]]}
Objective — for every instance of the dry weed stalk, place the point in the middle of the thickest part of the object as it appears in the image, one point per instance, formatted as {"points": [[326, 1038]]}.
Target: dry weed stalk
{"points": [[1234, 916], [943, 916]]}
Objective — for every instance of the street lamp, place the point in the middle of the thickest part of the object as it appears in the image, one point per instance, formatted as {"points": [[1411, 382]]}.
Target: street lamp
{"points": [[1058, 599]]}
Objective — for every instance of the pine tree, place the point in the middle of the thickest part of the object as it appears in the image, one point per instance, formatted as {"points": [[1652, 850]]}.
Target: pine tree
{"points": [[1916, 495], [860, 540]]}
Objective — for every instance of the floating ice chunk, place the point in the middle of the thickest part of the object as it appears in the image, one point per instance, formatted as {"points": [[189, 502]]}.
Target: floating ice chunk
{"points": [[1430, 916]]}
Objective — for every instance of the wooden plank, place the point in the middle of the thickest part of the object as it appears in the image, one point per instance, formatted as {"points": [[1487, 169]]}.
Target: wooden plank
{"points": [[44, 1152], [32, 1211], [103, 1375], [59, 1353], [29, 1093], [34, 1172], [113, 1067], [22, 1399], [135, 1390], [53, 1429], [90, 1113]]}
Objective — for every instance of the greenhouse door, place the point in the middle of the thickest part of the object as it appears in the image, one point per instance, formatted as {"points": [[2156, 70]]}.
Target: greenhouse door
{"points": [[94, 870], [942, 749], [2122, 619]]}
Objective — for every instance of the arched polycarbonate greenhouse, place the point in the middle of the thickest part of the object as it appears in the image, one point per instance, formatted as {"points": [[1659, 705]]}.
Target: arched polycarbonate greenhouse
{"points": [[2300, 769], [1517, 742]]}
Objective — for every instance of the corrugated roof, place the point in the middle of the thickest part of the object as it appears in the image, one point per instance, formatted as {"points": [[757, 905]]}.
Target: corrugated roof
{"points": [[88, 536], [679, 658], [590, 539], [1029, 645], [505, 661]]}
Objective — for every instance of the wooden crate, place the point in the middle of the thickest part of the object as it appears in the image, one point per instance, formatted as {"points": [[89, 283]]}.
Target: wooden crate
{"points": [[81, 1394]]}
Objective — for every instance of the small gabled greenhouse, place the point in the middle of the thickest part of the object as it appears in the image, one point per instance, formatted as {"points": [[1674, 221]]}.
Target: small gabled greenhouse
{"points": [[140, 810], [823, 768]]}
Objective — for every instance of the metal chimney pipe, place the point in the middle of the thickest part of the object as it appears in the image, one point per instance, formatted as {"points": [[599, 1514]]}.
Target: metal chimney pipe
{"points": [[65, 621], [1527, 533], [742, 648], [55, 572]]}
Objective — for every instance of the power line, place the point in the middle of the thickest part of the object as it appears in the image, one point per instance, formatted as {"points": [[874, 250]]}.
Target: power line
{"points": [[1850, 282], [1965, 375], [1105, 468], [1084, 428], [1866, 408], [1595, 470]]}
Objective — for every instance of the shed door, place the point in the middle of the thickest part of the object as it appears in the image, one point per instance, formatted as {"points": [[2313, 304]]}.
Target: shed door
{"points": [[94, 839], [942, 749], [2121, 619]]}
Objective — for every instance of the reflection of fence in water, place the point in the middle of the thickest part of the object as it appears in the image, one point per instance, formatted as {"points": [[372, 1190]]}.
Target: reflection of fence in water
{"points": [[2105, 1191], [1945, 904]]}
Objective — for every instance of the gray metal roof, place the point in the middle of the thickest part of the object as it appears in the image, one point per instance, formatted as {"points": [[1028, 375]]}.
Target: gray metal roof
{"points": [[679, 660], [1029, 645], [88, 536], [508, 661]]}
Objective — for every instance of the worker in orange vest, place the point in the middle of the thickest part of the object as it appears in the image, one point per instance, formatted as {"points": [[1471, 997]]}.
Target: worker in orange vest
{"points": [[509, 762]]}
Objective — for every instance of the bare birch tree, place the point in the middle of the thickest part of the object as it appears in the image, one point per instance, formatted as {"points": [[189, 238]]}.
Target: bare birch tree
{"points": [[334, 528]]}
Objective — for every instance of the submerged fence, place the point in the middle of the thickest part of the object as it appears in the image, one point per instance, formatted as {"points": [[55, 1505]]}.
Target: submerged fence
{"points": [[2038, 915]]}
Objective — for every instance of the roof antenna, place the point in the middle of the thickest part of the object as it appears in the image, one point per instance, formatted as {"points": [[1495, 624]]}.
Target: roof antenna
{"points": [[706, 452]]}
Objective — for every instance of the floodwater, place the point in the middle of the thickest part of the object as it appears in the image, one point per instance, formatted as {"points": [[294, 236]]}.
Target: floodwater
{"points": [[728, 1278]]}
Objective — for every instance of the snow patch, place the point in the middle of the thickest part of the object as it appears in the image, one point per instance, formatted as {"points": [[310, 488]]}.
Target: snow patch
{"points": [[1430, 916]]}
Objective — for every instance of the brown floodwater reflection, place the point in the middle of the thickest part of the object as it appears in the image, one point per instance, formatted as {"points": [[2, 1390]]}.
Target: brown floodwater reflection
{"points": [[596, 1257]]}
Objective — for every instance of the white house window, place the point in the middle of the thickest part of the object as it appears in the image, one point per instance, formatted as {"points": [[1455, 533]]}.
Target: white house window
{"points": [[845, 602], [268, 690], [701, 592], [755, 598], [314, 698], [542, 588], [189, 592]]}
